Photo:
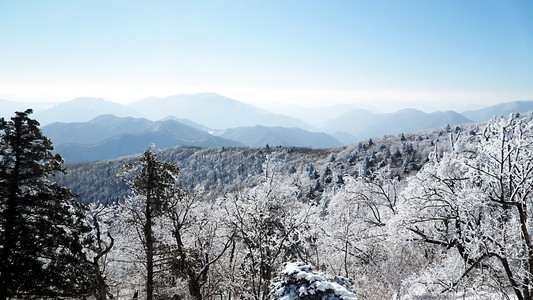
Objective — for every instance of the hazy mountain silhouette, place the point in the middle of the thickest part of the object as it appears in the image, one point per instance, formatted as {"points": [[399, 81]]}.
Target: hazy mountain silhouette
{"points": [[209, 112], [312, 115], [502, 109], [349, 121], [213, 110], [95, 130], [108, 136], [365, 124], [83, 109], [190, 123], [259, 136]]}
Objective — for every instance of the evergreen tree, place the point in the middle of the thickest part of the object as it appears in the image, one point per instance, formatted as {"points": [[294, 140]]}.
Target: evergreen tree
{"points": [[153, 182], [41, 224]]}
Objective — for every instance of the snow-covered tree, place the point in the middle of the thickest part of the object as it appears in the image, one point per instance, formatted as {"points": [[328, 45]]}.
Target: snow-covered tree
{"points": [[197, 242], [355, 242], [300, 281], [154, 185], [41, 223], [125, 269], [101, 243], [476, 205], [270, 227]]}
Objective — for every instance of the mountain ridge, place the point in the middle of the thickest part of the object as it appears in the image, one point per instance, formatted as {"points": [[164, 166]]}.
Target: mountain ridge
{"points": [[501, 109], [100, 138], [83, 109], [213, 113], [213, 110], [259, 136], [131, 144], [108, 136], [364, 124]]}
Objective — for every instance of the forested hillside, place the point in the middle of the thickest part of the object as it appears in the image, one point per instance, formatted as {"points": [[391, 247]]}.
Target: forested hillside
{"points": [[218, 170], [436, 214]]}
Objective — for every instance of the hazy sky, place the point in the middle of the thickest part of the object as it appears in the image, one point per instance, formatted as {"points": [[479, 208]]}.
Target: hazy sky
{"points": [[430, 54]]}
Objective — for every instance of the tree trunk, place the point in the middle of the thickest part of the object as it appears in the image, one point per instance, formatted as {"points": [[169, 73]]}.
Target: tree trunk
{"points": [[102, 287], [149, 252], [148, 234], [194, 287]]}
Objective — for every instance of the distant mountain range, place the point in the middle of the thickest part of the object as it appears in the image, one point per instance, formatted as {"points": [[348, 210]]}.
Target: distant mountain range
{"points": [[108, 137], [208, 120], [83, 109], [499, 110], [363, 124], [259, 136], [208, 109], [129, 144], [95, 130], [313, 115], [213, 111]]}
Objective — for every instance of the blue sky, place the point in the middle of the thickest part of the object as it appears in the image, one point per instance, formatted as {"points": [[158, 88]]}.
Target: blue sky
{"points": [[430, 54]]}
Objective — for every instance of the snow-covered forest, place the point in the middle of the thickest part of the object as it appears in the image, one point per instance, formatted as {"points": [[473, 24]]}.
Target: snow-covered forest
{"points": [[433, 215]]}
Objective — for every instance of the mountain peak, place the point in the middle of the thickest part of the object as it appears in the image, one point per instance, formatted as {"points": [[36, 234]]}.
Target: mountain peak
{"points": [[83, 109], [212, 110]]}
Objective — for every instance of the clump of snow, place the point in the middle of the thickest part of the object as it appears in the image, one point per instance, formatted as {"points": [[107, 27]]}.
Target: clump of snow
{"points": [[300, 281]]}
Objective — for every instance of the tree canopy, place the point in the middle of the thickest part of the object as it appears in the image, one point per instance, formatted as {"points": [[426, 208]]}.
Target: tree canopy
{"points": [[41, 224]]}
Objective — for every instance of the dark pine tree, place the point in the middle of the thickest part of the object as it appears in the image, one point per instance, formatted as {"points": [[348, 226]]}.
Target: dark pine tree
{"points": [[41, 223], [155, 182]]}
